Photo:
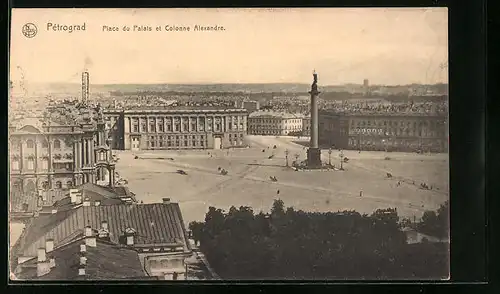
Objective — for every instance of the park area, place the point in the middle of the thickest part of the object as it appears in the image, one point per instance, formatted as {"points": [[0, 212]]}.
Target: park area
{"points": [[363, 186]]}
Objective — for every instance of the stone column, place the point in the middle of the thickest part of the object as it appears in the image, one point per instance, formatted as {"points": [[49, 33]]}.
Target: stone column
{"points": [[86, 153], [314, 119], [111, 176], [36, 157], [21, 156], [92, 152], [314, 153], [49, 149], [75, 155], [79, 153]]}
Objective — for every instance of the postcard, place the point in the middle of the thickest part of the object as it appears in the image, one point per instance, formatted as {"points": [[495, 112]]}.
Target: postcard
{"points": [[229, 144]]}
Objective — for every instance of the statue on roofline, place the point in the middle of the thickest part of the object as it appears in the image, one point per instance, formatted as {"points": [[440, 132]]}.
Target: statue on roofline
{"points": [[314, 86]]}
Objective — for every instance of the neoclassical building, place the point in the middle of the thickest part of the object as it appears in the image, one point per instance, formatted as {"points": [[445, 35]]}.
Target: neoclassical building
{"points": [[379, 132], [272, 123], [54, 156], [176, 128]]}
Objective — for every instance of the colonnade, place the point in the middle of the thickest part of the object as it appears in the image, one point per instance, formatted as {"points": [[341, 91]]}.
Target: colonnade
{"points": [[185, 123]]}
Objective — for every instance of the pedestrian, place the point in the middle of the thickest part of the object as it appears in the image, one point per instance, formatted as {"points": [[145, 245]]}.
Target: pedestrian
{"points": [[278, 192], [361, 193]]}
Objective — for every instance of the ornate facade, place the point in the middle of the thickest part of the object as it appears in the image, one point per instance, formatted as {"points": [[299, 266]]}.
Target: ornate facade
{"points": [[377, 132], [177, 128], [274, 123], [47, 156]]}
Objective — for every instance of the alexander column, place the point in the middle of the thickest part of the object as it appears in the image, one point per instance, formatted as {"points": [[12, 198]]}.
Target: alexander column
{"points": [[314, 153]]}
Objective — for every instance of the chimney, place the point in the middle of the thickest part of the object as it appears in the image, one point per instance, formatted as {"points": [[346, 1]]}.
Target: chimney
{"points": [[41, 255], [83, 260], [86, 202], [90, 238], [49, 245], [52, 262], [88, 231], [166, 200], [42, 268], [129, 234], [78, 198], [81, 271], [83, 248], [97, 202], [72, 194], [130, 239]]}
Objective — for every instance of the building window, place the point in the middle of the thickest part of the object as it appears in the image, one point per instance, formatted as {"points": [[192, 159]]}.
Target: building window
{"points": [[15, 164], [69, 184], [30, 144], [143, 127], [57, 144], [193, 126], [152, 127], [161, 127], [58, 185], [185, 127], [136, 128], [169, 128], [185, 143], [45, 163], [45, 144], [31, 163]]}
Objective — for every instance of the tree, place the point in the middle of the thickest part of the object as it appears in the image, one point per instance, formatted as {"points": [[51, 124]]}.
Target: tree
{"points": [[436, 223], [278, 208], [288, 243]]}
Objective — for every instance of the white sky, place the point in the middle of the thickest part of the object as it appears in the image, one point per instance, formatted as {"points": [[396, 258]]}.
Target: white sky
{"points": [[386, 46]]}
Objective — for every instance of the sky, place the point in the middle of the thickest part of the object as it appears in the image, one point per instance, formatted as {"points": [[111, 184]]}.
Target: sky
{"points": [[385, 45]]}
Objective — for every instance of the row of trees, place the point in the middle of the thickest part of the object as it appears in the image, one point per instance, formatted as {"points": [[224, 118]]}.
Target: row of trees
{"points": [[302, 245]]}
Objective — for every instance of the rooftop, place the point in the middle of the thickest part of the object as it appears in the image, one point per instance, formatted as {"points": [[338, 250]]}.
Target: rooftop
{"points": [[276, 114], [163, 109], [154, 223], [20, 202], [106, 261]]}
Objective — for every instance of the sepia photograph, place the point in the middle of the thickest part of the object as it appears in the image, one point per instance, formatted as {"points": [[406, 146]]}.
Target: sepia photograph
{"points": [[234, 144]]}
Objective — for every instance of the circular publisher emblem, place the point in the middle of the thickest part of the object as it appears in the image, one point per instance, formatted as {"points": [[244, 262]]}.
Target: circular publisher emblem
{"points": [[29, 30]]}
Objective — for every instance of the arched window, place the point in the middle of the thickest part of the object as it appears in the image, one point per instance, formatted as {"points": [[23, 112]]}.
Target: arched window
{"points": [[57, 144], [31, 163], [69, 184], [58, 185], [15, 163], [30, 144], [45, 163]]}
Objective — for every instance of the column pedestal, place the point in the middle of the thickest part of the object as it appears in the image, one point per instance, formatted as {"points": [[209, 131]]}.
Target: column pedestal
{"points": [[314, 158]]}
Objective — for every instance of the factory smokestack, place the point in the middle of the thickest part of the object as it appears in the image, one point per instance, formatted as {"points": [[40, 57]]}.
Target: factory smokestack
{"points": [[85, 87]]}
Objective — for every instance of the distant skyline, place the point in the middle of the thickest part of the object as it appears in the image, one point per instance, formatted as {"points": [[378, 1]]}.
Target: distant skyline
{"points": [[386, 46]]}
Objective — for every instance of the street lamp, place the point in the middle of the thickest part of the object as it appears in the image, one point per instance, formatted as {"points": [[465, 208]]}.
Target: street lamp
{"points": [[286, 156], [329, 156], [341, 155]]}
